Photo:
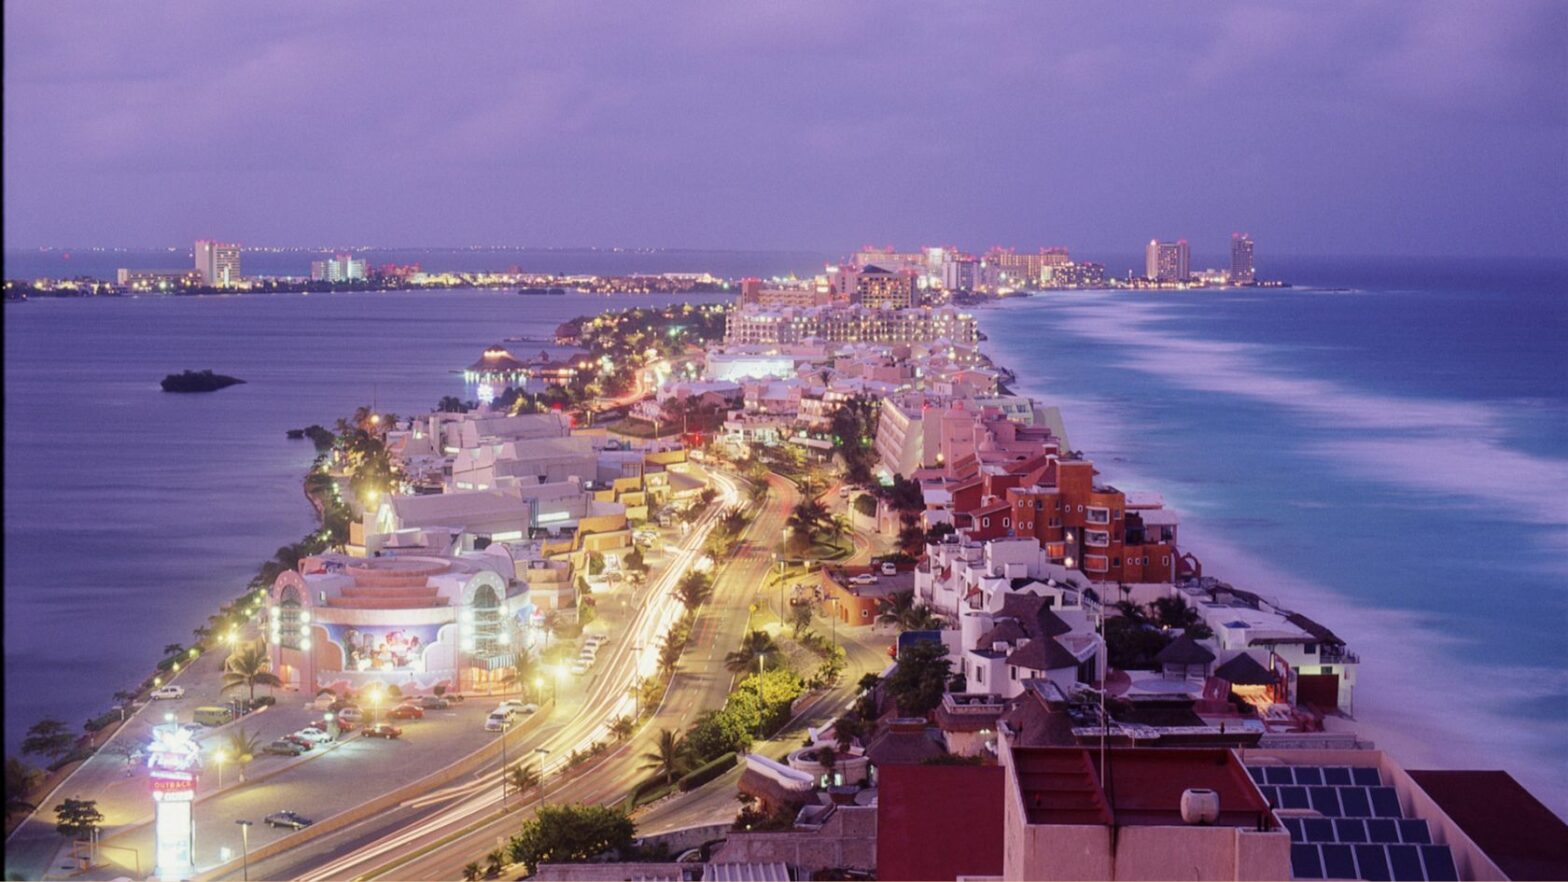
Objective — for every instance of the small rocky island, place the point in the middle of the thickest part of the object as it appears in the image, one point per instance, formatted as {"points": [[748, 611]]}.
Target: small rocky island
{"points": [[197, 381]]}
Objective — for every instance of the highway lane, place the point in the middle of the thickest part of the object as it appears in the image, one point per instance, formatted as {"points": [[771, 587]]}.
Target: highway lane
{"points": [[700, 683], [427, 819]]}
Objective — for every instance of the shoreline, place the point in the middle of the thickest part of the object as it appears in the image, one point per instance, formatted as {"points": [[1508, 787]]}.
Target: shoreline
{"points": [[1408, 675]]}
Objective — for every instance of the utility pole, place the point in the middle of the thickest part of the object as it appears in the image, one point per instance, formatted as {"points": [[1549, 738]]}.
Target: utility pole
{"points": [[244, 849]]}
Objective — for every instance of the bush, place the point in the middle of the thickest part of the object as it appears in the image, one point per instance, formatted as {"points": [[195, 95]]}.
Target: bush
{"points": [[706, 772], [102, 721]]}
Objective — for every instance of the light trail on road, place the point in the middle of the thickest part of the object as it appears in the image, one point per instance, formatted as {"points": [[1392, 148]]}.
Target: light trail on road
{"points": [[589, 725]]}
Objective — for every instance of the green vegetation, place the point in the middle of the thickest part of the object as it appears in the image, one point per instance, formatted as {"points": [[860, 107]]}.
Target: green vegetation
{"points": [[572, 833], [900, 609], [866, 504], [669, 757], [248, 667], [707, 771], [921, 678], [49, 738], [77, 818], [854, 437], [20, 781], [756, 650]]}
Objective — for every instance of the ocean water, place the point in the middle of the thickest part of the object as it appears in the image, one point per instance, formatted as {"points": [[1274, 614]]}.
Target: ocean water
{"points": [[103, 263], [132, 514], [1383, 447]]}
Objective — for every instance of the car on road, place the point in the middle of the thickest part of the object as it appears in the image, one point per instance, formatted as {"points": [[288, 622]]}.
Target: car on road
{"points": [[889, 568], [168, 692], [843, 492], [351, 712], [283, 747], [322, 725], [382, 730], [314, 735], [864, 579], [434, 702], [497, 721], [514, 706], [291, 820], [304, 744], [406, 712]]}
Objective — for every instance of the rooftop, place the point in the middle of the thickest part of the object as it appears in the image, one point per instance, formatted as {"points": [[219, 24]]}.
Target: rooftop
{"points": [[1061, 785]]}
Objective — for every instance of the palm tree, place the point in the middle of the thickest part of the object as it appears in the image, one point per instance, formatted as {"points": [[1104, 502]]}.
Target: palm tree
{"points": [[494, 861], [20, 779], [670, 652], [472, 872], [550, 624], [622, 727], [241, 746], [173, 649], [757, 646], [522, 777], [693, 589], [902, 611], [668, 757], [248, 667], [846, 729], [807, 519], [828, 757]]}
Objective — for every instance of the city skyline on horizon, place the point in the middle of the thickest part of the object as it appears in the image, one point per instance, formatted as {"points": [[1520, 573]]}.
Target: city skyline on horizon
{"points": [[1397, 130]]}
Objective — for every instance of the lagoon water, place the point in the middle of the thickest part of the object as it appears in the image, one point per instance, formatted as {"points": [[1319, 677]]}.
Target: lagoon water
{"points": [[1390, 459], [131, 514]]}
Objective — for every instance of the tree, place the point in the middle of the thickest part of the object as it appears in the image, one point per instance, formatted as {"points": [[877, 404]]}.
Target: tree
{"points": [[758, 645], [522, 777], [571, 834], [595, 563], [622, 727], [800, 618], [451, 404], [77, 818], [248, 667], [846, 729], [633, 561], [808, 520], [494, 861], [1173, 612], [828, 757], [693, 590], [241, 747], [670, 651], [20, 779], [920, 680], [909, 534], [902, 611], [471, 870], [938, 531], [716, 733], [173, 649], [669, 756], [48, 737]]}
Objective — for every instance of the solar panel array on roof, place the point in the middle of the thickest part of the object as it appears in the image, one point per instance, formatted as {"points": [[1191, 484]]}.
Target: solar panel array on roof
{"points": [[1361, 834]]}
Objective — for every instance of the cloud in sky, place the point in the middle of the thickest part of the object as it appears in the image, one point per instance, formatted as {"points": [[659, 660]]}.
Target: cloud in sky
{"points": [[1395, 127]]}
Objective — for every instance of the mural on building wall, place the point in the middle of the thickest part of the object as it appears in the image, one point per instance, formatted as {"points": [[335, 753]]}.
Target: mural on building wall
{"points": [[383, 648]]}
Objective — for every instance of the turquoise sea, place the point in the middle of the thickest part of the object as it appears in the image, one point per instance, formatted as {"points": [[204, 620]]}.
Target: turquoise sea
{"points": [[1383, 447]]}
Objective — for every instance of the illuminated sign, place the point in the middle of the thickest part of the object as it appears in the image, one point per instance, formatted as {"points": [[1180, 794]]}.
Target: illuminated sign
{"points": [[162, 786], [554, 517]]}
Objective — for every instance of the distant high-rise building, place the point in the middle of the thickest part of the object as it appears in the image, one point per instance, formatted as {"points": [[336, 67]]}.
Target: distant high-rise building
{"points": [[876, 287], [1167, 261], [338, 268], [1241, 272], [218, 263]]}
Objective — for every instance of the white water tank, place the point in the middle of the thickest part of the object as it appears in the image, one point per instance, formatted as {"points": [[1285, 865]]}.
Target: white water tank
{"points": [[1200, 806]]}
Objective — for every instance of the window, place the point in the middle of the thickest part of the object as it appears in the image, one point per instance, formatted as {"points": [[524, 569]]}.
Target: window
{"points": [[1096, 538], [1015, 672], [1098, 515], [1165, 560], [979, 674], [1007, 522], [1310, 649], [865, 613], [1116, 561]]}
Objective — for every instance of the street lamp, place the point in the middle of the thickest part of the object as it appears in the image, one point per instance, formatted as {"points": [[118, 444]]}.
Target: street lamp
{"points": [[373, 698], [542, 752], [220, 756], [506, 723], [244, 849], [538, 687]]}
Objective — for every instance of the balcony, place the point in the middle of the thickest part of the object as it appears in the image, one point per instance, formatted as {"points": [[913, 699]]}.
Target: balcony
{"points": [[1338, 655], [1097, 515]]}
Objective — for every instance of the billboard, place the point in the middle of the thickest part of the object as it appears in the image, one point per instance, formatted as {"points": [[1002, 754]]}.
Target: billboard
{"points": [[383, 647]]}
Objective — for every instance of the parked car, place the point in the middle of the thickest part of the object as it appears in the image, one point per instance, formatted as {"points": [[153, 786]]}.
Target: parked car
{"points": [[889, 568], [311, 733], [382, 730], [303, 743], [528, 709], [291, 820], [168, 692], [513, 705], [434, 702], [351, 713], [497, 721], [283, 747], [579, 667], [213, 715], [864, 579], [843, 492], [405, 712], [322, 725]]}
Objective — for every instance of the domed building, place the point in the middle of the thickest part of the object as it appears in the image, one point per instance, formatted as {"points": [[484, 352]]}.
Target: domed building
{"points": [[414, 621]]}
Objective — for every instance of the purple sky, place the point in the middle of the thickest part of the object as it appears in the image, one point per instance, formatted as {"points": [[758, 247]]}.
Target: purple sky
{"points": [[1344, 128]]}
